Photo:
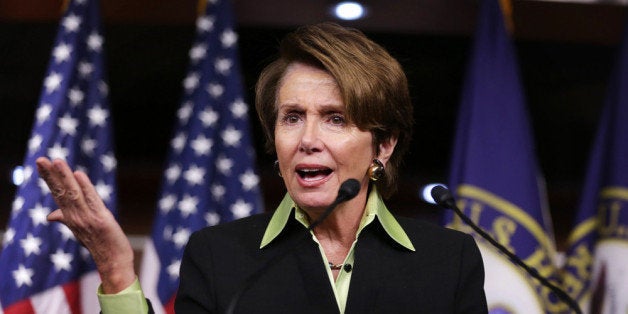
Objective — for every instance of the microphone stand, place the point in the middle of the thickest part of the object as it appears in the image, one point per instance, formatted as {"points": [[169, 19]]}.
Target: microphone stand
{"points": [[443, 197]]}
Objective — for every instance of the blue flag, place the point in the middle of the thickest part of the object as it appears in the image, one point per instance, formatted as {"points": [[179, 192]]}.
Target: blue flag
{"points": [[43, 269], [494, 172], [596, 268], [210, 176]]}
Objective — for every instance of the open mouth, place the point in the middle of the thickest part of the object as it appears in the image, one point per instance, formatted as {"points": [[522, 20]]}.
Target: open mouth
{"points": [[311, 174]]}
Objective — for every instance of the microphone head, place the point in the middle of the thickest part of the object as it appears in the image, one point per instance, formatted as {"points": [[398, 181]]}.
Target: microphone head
{"points": [[442, 196], [348, 189]]}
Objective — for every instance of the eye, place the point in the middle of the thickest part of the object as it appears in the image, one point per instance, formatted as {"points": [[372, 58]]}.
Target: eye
{"points": [[290, 118], [337, 119]]}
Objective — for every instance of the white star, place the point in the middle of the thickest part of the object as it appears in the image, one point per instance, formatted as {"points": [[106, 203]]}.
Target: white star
{"points": [[208, 117], [198, 52], [173, 269], [62, 52], [231, 136], [66, 233], [187, 205], [218, 191], [228, 38], [45, 190], [212, 218], [17, 204], [61, 260], [94, 42], [85, 69], [185, 112], [58, 152], [76, 96], [167, 203], [201, 145], [205, 23], [23, 276], [241, 209], [52, 82], [43, 113], [239, 108], [191, 81], [38, 215], [28, 172], [85, 255], [88, 145], [173, 173], [194, 175], [67, 124], [215, 90], [223, 65], [103, 88], [30, 245], [249, 180], [224, 165], [167, 234], [82, 168], [8, 237], [34, 143], [71, 23], [109, 162], [104, 190], [178, 143], [97, 116], [181, 237]]}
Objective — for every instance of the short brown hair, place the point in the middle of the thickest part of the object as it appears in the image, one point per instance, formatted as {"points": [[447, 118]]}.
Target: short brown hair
{"points": [[372, 85]]}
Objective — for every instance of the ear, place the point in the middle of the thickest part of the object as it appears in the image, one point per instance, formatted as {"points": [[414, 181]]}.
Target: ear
{"points": [[386, 149]]}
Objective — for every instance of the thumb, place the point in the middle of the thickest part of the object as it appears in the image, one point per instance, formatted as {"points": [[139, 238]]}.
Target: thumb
{"points": [[56, 215]]}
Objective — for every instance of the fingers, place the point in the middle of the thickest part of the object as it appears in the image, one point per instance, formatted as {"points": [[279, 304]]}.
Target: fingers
{"points": [[90, 195]]}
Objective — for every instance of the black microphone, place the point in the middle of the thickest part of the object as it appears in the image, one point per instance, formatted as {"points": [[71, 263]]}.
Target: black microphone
{"points": [[348, 190], [443, 197]]}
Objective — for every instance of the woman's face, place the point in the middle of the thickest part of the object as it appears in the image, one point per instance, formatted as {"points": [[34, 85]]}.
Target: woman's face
{"points": [[317, 147]]}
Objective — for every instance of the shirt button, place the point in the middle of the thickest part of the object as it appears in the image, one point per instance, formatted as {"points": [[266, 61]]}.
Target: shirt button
{"points": [[347, 267]]}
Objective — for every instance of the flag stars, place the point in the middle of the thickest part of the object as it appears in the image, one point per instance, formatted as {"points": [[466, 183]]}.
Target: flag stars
{"points": [[58, 152], [34, 143], [52, 82], [187, 206], [30, 245], [104, 190], [191, 82], [18, 202], [108, 162], [173, 173], [201, 145], [76, 96], [178, 142], [239, 108], [223, 65], [224, 165], [185, 112], [205, 23], [173, 269], [38, 215], [97, 116], [88, 146], [198, 52], [212, 218], [43, 113], [180, 237], [218, 191], [208, 117], [23, 276], [94, 42], [8, 237], [61, 260], [249, 180], [228, 38], [85, 69], [71, 23], [43, 187], [62, 52], [215, 90], [67, 124], [66, 233], [241, 209], [167, 203], [194, 175], [231, 136]]}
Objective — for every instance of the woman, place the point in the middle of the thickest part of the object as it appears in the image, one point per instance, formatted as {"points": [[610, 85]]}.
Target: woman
{"points": [[334, 106]]}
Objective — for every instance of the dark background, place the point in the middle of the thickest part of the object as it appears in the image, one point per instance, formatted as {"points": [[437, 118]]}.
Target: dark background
{"points": [[565, 51]]}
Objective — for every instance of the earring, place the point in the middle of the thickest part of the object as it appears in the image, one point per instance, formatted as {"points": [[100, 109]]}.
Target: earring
{"points": [[276, 167], [376, 170]]}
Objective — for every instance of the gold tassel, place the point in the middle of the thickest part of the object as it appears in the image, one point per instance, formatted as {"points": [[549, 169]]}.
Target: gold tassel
{"points": [[507, 9]]}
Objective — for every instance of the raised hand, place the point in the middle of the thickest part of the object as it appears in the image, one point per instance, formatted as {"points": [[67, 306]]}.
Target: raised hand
{"points": [[83, 211]]}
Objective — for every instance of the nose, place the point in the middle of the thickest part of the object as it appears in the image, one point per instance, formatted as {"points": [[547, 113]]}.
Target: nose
{"points": [[310, 138]]}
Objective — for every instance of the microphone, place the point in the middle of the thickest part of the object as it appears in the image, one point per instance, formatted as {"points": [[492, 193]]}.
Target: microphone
{"points": [[348, 190], [443, 197]]}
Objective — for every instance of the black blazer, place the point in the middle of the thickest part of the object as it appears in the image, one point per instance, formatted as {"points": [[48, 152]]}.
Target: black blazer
{"points": [[444, 275]]}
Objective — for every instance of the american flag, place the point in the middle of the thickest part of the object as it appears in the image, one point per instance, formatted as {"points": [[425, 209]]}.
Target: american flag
{"points": [[43, 269], [210, 175]]}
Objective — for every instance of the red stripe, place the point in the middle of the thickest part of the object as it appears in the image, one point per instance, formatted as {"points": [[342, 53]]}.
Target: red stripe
{"points": [[22, 307], [73, 296], [169, 307]]}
